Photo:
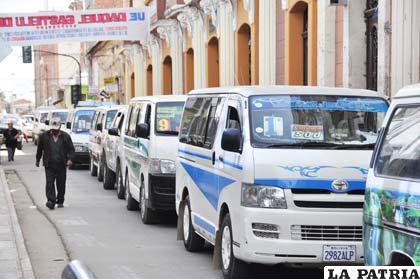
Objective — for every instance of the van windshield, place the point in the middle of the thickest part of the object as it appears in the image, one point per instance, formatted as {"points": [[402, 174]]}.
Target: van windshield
{"points": [[82, 121], [168, 117], [62, 115], [43, 116], [312, 121]]}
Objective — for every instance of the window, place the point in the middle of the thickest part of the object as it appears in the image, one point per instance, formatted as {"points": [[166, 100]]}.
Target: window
{"points": [[116, 121], [82, 121], [121, 122], [109, 118], [43, 117], [133, 120], [168, 117], [399, 155], [199, 122], [99, 120], [62, 115], [213, 120], [233, 121]]}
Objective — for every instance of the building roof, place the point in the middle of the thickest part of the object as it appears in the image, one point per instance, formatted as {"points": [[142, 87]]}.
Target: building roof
{"points": [[22, 102], [409, 91]]}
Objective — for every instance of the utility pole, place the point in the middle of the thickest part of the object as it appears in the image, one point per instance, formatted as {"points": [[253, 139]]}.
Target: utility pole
{"points": [[69, 56]]}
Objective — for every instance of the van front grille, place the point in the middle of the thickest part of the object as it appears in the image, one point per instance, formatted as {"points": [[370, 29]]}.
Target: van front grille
{"points": [[325, 204], [329, 233]]}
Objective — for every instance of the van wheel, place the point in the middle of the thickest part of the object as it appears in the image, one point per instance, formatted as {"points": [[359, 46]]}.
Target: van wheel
{"points": [[132, 204], [101, 169], [109, 178], [93, 169], [147, 215], [232, 268], [192, 241], [120, 183]]}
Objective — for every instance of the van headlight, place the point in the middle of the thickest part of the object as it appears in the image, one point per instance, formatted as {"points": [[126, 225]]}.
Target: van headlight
{"points": [[263, 196], [158, 166]]}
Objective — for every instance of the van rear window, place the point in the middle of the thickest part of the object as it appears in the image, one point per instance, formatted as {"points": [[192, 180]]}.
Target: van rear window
{"points": [[399, 154]]}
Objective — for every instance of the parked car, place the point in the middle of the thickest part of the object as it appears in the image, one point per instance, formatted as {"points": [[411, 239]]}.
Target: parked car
{"points": [[41, 115], [17, 124], [57, 114], [150, 144], [101, 122], [392, 201], [114, 155], [275, 174], [78, 124]]}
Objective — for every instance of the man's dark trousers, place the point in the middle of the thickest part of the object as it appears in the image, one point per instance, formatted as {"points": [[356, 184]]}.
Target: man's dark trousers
{"points": [[56, 174]]}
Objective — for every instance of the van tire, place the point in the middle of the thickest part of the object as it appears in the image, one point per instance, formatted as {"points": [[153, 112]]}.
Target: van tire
{"points": [[232, 268], [93, 169], [132, 204], [147, 215], [109, 178], [120, 183], [101, 168], [192, 241]]}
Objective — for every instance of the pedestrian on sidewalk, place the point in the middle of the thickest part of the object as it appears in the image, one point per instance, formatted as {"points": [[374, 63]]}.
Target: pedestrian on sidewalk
{"points": [[11, 136], [56, 149]]}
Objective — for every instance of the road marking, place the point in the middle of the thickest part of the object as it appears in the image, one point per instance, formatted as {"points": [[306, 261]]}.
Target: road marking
{"points": [[82, 240]]}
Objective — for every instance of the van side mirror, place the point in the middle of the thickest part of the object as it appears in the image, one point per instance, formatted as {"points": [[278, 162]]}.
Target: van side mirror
{"points": [[68, 125], [99, 127], [143, 130], [47, 122], [231, 140], [113, 132]]}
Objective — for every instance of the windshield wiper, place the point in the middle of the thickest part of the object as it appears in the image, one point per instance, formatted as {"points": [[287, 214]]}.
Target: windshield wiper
{"points": [[303, 145], [356, 146]]}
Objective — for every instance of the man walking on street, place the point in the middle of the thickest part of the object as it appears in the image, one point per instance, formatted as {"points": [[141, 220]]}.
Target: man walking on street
{"points": [[11, 135], [56, 149]]}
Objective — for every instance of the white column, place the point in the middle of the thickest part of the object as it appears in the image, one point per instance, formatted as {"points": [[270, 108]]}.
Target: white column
{"points": [[199, 45], [354, 45], [405, 44], [326, 44], [227, 44], [139, 77], [267, 42], [177, 62], [384, 15], [155, 50]]}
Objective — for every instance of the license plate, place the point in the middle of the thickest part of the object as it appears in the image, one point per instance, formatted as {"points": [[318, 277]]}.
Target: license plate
{"points": [[339, 253]]}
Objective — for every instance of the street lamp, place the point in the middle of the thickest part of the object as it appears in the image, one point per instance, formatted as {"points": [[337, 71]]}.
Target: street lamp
{"points": [[69, 56]]}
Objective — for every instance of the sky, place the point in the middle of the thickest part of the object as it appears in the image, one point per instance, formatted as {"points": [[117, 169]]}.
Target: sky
{"points": [[16, 77]]}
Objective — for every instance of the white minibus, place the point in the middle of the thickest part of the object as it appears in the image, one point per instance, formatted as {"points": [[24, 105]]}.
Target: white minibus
{"points": [[275, 174]]}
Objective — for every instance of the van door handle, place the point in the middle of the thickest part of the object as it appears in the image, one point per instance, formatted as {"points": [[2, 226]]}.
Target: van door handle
{"points": [[213, 159], [221, 159]]}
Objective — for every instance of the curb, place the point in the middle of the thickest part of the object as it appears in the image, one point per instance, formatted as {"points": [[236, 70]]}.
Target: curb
{"points": [[25, 271]]}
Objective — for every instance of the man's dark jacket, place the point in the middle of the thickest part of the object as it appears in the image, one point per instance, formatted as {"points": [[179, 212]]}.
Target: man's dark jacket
{"points": [[44, 145]]}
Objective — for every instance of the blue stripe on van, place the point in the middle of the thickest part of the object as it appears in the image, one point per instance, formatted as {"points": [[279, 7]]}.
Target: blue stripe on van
{"points": [[204, 225], [233, 165], [195, 154], [323, 184], [210, 184]]}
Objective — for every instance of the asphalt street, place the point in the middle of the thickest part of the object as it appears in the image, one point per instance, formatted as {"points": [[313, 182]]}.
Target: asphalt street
{"points": [[95, 227]]}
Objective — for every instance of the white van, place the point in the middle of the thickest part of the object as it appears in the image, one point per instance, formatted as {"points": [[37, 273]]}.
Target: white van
{"points": [[150, 148], [78, 125], [41, 115], [59, 114], [114, 154], [275, 174], [102, 120], [392, 201]]}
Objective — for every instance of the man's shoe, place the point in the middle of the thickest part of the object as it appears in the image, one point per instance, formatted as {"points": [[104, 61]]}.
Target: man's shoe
{"points": [[50, 205], [60, 205]]}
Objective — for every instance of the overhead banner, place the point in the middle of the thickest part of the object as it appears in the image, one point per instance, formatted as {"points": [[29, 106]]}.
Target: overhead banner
{"points": [[75, 26]]}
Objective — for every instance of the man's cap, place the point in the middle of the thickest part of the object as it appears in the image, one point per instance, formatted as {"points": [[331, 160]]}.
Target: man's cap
{"points": [[55, 124]]}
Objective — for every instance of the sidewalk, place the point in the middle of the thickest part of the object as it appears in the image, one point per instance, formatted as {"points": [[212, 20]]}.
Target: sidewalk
{"points": [[14, 259]]}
